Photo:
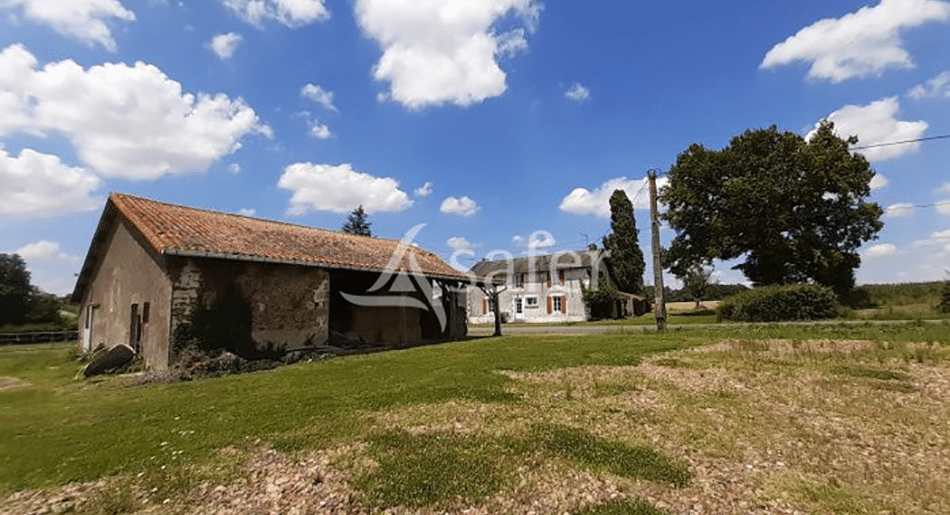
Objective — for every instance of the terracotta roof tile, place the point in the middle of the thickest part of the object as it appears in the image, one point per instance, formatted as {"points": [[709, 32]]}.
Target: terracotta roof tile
{"points": [[173, 229]]}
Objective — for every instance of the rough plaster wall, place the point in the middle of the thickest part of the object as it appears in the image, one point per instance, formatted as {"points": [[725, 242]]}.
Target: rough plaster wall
{"points": [[128, 275], [289, 304]]}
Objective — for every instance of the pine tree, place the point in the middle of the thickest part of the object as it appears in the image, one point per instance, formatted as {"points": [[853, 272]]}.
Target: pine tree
{"points": [[357, 223], [626, 257]]}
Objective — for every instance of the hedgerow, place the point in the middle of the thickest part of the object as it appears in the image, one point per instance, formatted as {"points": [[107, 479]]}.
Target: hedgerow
{"points": [[778, 303]]}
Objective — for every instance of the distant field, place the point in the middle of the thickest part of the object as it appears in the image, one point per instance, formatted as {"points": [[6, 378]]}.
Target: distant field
{"points": [[728, 419], [690, 306]]}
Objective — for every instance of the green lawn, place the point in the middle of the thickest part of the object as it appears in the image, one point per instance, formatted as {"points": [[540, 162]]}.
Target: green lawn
{"points": [[55, 429], [59, 430]]}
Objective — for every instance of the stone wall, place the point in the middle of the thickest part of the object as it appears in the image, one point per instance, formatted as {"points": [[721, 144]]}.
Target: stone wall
{"points": [[289, 304]]}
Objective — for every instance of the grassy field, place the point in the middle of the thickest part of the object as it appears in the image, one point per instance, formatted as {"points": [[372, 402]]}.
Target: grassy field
{"points": [[766, 419]]}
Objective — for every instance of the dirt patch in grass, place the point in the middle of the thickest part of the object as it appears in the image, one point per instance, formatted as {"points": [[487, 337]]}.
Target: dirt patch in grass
{"points": [[10, 383]]}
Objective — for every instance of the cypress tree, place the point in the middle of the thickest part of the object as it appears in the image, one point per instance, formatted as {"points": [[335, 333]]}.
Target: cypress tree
{"points": [[626, 257]]}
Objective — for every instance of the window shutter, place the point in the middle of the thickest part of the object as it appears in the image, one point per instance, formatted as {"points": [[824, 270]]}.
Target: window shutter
{"points": [[560, 276], [564, 304], [549, 305], [548, 278]]}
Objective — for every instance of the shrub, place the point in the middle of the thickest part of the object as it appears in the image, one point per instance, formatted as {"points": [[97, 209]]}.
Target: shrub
{"points": [[776, 303], [859, 297], [944, 306], [600, 302]]}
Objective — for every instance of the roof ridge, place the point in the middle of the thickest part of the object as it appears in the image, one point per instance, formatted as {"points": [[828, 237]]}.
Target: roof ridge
{"points": [[267, 220], [562, 252]]}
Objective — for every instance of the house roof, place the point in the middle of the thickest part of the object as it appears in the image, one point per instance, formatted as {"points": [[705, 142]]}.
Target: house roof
{"points": [[564, 260], [170, 229]]}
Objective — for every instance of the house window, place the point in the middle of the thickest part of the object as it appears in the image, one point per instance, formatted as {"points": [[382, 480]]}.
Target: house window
{"points": [[519, 280], [531, 302], [557, 304], [145, 310]]}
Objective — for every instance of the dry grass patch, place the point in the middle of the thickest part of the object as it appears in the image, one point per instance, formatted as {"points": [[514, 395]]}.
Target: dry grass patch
{"points": [[774, 426], [778, 426]]}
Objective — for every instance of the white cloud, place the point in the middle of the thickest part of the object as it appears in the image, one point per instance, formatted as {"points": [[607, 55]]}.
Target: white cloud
{"points": [[424, 191], [124, 121], [861, 44], [292, 13], [898, 210], [318, 95], [943, 207], [877, 123], [512, 42], [50, 268], [234, 168], [459, 206], [937, 239], [879, 251], [937, 87], [582, 201], [247, 211], [35, 185], [340, 189], [443, 51], [224, 45], [537, 240], [84, 20], [943, 189], [879, 182], [320, 131], [578, 93], [459, 243], [44, 251], [541, 240]]}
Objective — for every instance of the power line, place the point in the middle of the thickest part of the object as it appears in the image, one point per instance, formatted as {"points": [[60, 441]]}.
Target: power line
{"points": [[908, 206], [890, 143]]}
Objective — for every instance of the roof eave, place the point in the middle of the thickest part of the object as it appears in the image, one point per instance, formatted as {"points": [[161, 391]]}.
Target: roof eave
{"points": [[332, 266]]}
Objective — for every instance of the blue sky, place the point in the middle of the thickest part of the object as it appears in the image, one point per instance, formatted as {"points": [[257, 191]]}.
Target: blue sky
{"points": [[501, 124]]}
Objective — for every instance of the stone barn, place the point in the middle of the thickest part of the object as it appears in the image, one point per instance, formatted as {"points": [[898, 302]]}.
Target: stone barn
{"points": [[152, 267]]}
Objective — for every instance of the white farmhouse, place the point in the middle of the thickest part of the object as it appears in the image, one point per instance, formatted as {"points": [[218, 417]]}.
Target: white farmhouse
{"points": [[546, 288]]}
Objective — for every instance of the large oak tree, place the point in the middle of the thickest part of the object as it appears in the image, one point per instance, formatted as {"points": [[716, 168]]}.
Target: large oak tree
{"points": [[17, 295], [796, 209]]}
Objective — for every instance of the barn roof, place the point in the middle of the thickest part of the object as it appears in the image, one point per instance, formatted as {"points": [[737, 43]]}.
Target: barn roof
{"points": [[170, 229]]}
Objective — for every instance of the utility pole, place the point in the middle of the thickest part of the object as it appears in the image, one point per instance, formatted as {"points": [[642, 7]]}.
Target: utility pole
{"points": [[657, 264]]}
